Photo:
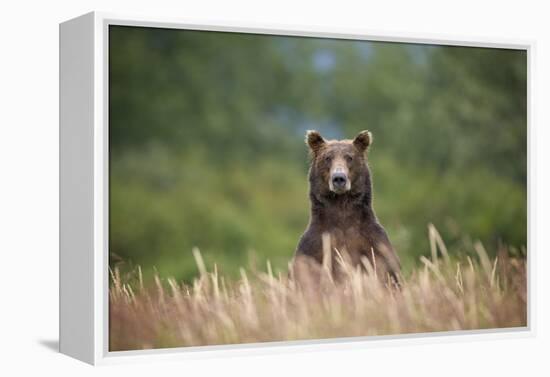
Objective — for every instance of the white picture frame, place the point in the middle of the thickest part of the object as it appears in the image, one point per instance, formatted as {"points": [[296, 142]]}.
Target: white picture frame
{"points": [[84, 192]]}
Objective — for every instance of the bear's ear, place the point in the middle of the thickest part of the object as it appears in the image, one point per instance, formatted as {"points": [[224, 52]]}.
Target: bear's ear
{"points": [[314, 140], [363, 140]]}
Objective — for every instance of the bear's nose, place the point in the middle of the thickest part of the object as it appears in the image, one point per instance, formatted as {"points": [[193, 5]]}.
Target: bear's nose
{"points": [[339, 180]]}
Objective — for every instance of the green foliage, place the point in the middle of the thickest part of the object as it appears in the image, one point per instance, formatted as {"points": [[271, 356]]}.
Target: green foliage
{"points": [[162, 205], [206, 142]]}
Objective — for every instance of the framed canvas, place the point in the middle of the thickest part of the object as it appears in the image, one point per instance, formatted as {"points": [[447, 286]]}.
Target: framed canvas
{"points": [[196, 222]]}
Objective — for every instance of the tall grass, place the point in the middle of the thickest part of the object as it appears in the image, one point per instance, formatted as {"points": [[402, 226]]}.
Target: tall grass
{"points": [[444, 294]]}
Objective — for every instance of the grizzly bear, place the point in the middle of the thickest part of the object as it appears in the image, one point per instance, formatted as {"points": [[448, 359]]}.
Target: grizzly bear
{"points": [[340, 192]]}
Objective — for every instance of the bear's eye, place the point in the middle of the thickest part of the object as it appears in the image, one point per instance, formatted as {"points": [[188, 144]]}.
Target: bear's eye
{"points": [[328, 158], [349, 158]]}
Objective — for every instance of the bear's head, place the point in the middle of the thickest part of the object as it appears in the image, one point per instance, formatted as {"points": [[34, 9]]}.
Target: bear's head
{"points": [[338, 167]]}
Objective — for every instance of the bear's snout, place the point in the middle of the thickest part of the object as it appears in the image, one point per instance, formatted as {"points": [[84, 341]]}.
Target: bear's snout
{"points": [[339, 182]]}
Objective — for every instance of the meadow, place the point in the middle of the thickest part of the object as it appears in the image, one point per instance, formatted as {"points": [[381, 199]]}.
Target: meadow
{"points": [[444, 294]]}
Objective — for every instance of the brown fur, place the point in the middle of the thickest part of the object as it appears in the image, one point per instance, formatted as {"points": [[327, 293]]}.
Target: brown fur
{"points": [[348, 218]]}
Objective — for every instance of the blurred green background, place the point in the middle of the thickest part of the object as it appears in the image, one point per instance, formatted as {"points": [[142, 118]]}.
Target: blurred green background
{"points": [[207, 129]]}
